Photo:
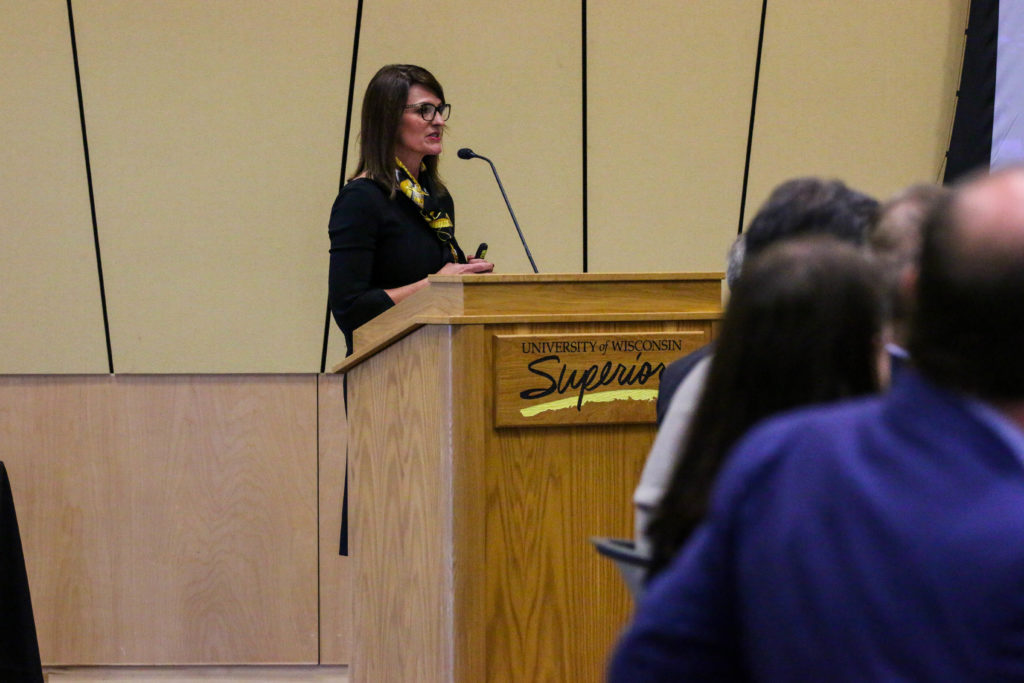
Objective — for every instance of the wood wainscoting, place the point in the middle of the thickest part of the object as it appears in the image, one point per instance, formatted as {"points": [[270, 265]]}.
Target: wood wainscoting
{"points": [[181, 520]]}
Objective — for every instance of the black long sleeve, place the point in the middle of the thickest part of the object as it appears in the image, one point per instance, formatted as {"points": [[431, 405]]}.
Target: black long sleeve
{"points": [[377, 243]]}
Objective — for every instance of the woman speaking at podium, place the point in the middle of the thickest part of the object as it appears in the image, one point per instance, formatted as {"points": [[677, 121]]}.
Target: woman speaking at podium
{"points": [[394, 221]]}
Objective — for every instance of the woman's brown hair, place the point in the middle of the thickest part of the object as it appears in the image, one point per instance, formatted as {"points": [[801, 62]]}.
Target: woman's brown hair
{"points": [[383, 107]]}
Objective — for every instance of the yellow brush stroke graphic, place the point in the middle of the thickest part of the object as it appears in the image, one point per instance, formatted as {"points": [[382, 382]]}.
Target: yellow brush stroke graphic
{"points": [[599, 397]]}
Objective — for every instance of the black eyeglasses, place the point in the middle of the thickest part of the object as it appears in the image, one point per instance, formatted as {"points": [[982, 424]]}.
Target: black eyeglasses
{"points": [[427, 111]]}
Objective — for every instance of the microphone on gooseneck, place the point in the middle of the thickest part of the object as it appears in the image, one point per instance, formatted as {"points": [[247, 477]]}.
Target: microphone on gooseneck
{"points": [[467, 153]]}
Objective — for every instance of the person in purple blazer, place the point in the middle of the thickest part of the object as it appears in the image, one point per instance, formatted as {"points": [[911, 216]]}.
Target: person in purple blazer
{"points": [[877, 539]]}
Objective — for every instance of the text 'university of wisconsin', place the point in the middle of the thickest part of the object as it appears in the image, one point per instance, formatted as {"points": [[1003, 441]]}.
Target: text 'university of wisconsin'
{"points": [[617, 345]]}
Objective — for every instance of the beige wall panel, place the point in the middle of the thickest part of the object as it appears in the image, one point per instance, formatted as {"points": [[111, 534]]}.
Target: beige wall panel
{"points": [[335, 571], [215, 130], [512, 73], [51, 317], [669, 86], [167, 520], [861, 91]]}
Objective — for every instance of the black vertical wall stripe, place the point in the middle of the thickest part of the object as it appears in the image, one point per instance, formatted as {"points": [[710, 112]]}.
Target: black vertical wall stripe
{"points": [[351, 91], [344, 155], [753, 112], [970, 145], [343, 531], [583, 50], [327, 335], [319, 561], [92, 199]]}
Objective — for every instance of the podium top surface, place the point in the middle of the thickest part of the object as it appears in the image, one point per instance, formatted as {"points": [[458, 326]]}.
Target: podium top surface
{"points": [[551, 297]]}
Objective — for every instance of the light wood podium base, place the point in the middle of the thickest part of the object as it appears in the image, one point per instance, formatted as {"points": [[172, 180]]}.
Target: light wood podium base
{"points": [[470, 541]]}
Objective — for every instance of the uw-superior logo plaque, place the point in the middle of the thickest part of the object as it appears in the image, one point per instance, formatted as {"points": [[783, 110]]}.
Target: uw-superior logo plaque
{"points": [[562, 379]]}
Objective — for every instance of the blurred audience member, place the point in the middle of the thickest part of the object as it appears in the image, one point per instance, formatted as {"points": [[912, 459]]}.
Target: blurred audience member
{"points": [[877, 539], [800, 206], [797, 207], [672, 377], [894, 241], [804, 325]]}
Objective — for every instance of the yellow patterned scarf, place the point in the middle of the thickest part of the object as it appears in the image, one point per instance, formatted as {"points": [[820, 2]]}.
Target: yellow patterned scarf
{"points": [[432, 213]]}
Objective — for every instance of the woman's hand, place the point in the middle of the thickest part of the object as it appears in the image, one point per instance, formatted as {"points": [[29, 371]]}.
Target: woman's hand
{"points": [[475, 265]]}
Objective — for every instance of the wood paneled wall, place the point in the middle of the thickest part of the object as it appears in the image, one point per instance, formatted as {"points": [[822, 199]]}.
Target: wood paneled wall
{"points": [[173, 519], [210, 674], [215, 135], [335, 571]]}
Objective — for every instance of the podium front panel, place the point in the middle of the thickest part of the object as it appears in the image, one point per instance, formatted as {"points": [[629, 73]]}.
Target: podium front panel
{"points": [[470, 534]]}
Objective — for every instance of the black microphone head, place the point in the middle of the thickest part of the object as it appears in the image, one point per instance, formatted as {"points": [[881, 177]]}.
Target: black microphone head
{"points": [[466, 153]]}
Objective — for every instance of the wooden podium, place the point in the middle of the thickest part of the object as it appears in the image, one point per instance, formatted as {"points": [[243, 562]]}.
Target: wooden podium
{"points": [[496, 423]]}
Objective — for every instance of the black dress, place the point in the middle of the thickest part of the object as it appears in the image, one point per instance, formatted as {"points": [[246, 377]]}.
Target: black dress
{"points": [[378, 243]]}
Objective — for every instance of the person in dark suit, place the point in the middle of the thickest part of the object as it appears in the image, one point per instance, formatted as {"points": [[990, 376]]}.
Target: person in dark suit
{"points": [[805, 325], [393, 223], [797, 207], [801, 206], [676, 371], [876, 539]]}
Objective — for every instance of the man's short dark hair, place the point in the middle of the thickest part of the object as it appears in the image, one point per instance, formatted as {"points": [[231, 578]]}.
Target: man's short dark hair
{"points": [[810, 206], [967, 329]]}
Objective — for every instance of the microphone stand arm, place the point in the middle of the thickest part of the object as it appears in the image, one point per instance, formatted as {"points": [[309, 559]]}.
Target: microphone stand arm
{"points": [[510, 211]]}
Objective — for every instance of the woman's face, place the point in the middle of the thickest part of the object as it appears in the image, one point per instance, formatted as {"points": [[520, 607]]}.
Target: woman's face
{"points": [[418, 138]]}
